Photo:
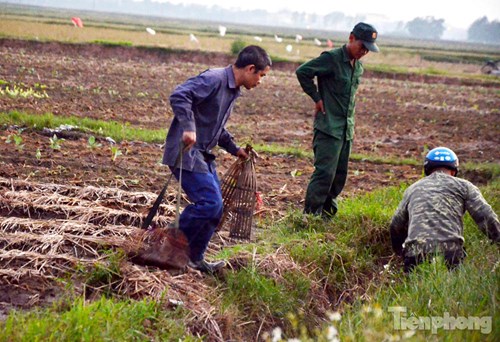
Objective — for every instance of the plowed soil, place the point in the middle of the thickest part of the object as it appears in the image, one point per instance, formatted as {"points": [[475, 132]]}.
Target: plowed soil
{"points": [[398, 117]]}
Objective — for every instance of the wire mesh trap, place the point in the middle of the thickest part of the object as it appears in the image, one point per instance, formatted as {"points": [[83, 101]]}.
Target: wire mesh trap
{"points": [[239, 187]]}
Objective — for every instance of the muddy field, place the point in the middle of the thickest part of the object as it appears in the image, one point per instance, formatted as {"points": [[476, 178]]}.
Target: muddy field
{"points": [[63, 207]]}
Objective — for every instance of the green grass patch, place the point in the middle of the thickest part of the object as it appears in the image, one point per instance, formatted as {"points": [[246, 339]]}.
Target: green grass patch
{"points": [[431, 71], [349, 252], [105, 273], [387, 68], [112, 43], [284, 150], [124, 131], [451, 58], [489, 171], [385, 160], [116, 130], [471, 291], [341, 253], [302, 153], [431, 292], [101, 320], [257, 294]]}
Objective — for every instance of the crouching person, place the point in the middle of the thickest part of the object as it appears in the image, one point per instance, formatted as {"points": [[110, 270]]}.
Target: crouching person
{"points": [[201, 106], [429, 219]]}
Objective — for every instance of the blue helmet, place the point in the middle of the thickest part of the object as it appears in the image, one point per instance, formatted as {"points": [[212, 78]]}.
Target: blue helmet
{"points": [[440, 157]]}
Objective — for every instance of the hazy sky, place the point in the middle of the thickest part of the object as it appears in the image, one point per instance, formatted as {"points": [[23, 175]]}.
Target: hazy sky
{"points": [[459, 14]]}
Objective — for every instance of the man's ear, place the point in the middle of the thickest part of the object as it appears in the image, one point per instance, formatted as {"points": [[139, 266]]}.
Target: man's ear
{"points": [[251, 68]]}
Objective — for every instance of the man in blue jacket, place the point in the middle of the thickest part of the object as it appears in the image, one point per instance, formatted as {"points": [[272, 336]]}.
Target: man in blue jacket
{"points": [[202, 105]]}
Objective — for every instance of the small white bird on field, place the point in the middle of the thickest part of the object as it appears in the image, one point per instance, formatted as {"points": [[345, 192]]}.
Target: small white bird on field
{"points": [[278, 39], [298, 38], [257, 38], [193, 38], [289, 48], [317, 42], [150, 31]]}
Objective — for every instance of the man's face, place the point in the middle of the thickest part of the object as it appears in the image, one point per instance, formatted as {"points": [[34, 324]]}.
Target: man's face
{"points": [[252, 77], [356, 48]]}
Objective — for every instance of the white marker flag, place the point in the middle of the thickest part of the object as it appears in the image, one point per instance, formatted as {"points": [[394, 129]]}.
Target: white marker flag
{"points": [[222, 30]]}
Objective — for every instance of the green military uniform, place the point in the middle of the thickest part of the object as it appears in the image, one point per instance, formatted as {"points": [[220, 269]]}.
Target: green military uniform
{"points": [[338, 81], [429, 218]]}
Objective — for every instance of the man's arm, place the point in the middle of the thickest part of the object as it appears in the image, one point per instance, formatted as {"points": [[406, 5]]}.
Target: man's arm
{"points": [[226, 142], [482, 213], [306, 73], [399, 227]]}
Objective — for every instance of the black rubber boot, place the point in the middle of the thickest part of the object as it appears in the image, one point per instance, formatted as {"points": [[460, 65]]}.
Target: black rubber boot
{"points": [[207, 267]]}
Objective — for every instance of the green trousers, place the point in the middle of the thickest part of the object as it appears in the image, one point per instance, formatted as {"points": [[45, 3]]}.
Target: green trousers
{"points": [[331, 156]]}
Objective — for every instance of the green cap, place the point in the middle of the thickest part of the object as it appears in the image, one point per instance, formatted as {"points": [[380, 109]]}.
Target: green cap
{"points": [[367, 34]]}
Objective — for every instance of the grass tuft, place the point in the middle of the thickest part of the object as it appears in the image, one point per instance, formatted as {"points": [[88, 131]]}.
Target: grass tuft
{"points": [[101, 320], [116, 130]]}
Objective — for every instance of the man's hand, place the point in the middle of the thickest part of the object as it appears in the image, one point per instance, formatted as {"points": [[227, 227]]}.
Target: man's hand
{"points": [[242, 154], [189, 139], [318, 107]]}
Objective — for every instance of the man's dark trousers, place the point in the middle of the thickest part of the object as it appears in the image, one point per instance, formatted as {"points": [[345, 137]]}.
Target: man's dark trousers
{"points": [[199, 220], [331, 157]]}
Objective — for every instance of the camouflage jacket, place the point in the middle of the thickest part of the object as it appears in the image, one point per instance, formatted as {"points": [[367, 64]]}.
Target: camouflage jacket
{"points": [[429, 218]]}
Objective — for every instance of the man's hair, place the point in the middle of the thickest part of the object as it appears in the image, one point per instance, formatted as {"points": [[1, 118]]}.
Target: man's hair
{"points": [[253, 54]]}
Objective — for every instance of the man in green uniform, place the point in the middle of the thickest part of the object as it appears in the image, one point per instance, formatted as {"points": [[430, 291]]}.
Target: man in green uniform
{"points": [[338, 73], [429, 218]]}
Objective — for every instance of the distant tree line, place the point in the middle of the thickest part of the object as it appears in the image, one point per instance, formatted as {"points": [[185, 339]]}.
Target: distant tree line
{"points": [[484, 31], [426, 28]]}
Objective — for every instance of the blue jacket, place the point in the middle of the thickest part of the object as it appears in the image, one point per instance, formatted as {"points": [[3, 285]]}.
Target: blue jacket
{"points": [[202, 104]]}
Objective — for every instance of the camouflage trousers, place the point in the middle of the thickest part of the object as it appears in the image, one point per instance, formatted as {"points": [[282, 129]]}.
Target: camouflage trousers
{"points": [[416, 253]]}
